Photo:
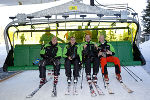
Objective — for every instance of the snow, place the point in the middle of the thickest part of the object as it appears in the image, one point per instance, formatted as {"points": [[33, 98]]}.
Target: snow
{"points": [[145, 49], [18, 87], [2, 54]]}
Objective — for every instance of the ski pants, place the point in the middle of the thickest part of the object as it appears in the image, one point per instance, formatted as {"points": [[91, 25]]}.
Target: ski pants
{"points": [[42, 67], [113, 59], [95, 61], [68, 71]]}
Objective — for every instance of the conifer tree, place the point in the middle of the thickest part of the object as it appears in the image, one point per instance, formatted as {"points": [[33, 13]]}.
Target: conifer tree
{"points": [[146, 18]]}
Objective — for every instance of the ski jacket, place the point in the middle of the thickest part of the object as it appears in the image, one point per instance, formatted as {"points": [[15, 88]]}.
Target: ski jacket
{"points": [[51, 51], [90, 50], [106, 46], [71, 51]]}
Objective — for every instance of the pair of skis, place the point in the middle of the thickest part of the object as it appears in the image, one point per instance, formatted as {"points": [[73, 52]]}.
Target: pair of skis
{"points": [[108, 88], [122, 84], [92, 91], [75, 92], [37, 89], [125, 87]]}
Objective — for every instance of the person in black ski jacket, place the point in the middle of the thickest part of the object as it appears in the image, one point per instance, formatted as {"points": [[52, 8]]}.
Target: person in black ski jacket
{"points": [[51, 54], [107, 54], [72, 55], [90, 55]]}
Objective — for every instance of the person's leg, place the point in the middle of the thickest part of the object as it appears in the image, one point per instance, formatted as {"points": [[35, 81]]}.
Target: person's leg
{"points": [[56, 70], [88, 67], [103, 62], [68, 69], [96, 63], [42, 70], [76, 69], [116, 61]]}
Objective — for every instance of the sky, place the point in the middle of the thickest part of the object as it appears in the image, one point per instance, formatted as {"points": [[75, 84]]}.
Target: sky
{"points": [[137, 5], [7, 11]]}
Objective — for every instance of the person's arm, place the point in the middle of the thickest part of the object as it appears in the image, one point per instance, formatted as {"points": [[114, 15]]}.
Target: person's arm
{"points": [[42, 52], [112, 50], [65, 51], [79, 52], [59, 53]]}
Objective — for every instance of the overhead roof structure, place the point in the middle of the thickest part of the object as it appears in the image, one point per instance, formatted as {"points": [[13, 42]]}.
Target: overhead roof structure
{"points": [[74, 9]]}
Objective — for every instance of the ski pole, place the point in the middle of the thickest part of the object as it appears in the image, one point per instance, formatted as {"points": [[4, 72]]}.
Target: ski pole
{"points": [[82, 75], [103, 78], [134, 74], [126, 69], [130, 74]]}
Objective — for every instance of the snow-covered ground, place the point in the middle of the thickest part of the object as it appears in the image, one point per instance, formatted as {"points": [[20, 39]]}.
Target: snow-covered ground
{"points": [[2, 54], [145, 50], [19, 86]]}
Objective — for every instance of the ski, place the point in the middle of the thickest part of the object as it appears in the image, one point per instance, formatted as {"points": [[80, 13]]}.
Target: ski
{"points": [[100, 92], [68, 89], [93, 93], [75, 92], [54, 92], [125, 87], [37, 89], [108, 88]]}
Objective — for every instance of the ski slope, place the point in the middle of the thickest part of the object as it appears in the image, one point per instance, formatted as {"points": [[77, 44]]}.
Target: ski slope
{"points": [[18, 87], [21, 85], [3, 54]]}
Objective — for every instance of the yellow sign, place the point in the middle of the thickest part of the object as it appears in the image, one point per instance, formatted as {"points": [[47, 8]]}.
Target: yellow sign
{"points": [[73, 8]]}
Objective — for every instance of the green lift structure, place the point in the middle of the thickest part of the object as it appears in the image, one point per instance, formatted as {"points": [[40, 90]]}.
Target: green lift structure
{"points": [[24, 34]]}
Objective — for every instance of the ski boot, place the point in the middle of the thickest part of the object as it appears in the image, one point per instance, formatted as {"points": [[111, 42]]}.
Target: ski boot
{"points": [[118, 77], [106, 79], [69, 80], [94, 78], [75, 80], [43, 81], [55, 79], [88, 77]]}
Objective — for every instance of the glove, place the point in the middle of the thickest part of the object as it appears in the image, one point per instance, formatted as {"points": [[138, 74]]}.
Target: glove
{"points": [[56, 62], [44, 56], [80, 63]]}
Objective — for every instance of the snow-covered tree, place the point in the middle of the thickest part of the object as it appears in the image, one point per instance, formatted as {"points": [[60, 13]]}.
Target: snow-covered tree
{"points": [[146, 18]]}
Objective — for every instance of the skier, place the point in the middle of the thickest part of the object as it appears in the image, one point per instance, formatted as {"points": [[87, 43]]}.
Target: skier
{"points": [[51, 54], [72, 55], [106, 54], [90, 55]]}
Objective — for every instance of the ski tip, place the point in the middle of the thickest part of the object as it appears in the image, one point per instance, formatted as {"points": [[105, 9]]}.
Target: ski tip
{"points": [[101, 93], [93, 95], [53, 95], [67, 93], [130, 91], [29, 96], [111, 93], [75, 93]]}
